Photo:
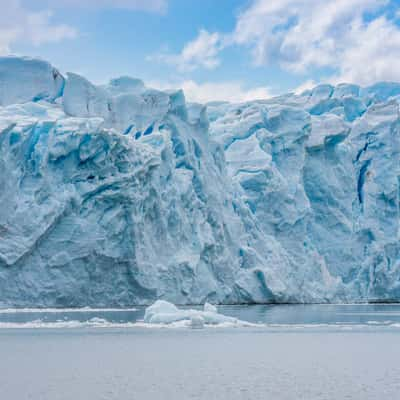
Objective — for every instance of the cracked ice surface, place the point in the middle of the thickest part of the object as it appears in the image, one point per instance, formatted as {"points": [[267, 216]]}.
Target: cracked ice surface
{"points": [[120, 194]]}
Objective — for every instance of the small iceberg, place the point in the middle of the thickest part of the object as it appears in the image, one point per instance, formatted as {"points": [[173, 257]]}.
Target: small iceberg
{"points": [[164, 313]]}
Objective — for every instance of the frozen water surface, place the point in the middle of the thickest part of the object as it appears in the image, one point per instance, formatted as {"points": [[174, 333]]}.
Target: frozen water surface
{"points": [[300, 352]]}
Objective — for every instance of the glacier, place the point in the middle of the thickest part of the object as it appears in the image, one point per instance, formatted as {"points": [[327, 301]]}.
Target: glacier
{"points": [[120, 194]]}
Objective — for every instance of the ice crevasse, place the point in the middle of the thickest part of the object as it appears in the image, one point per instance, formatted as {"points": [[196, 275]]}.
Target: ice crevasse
{"points": [[121, 194]]}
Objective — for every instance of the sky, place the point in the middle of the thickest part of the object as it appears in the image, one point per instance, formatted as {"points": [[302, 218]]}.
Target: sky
{"points": [[233, 50]]}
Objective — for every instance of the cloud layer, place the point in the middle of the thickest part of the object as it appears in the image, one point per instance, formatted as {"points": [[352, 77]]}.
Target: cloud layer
{"points": [[232, 91], [359, 40], [202, 52], [17, 23]]}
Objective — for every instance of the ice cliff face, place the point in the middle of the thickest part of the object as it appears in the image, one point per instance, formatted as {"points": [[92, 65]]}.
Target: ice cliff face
{"points": [[320, 173], [121, 194]]}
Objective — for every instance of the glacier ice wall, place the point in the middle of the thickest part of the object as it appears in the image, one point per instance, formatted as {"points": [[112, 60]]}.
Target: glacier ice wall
{"points": [[320, 172], [121, 194]]}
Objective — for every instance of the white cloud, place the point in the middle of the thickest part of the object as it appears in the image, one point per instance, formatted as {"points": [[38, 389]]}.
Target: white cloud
{"points": [[200, 52], [301, 35], [145, 5], [39, 30], [373, 53], [19, 24], [232, 91], [7, 36]]}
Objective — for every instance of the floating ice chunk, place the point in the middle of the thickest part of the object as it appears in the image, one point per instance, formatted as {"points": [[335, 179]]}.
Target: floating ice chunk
{"points": [[196, 322], [210, 308], [159, 307], [212, 318], [62, 310], [163, 312]]}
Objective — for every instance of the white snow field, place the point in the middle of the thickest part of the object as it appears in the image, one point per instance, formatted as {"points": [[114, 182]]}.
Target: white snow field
{"points": [[120, 194]]}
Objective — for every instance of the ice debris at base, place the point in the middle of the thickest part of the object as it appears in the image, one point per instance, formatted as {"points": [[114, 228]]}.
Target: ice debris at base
{"points": [[85, 310], [100, 323], [120, 194], [210, 308], [163, 312]]}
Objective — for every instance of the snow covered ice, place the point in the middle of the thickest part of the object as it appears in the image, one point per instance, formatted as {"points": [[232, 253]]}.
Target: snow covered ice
{"points": [[121, 194], [163, 312]]}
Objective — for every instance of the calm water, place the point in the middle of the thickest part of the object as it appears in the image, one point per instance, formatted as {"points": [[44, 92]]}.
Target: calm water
{"points": [[272, 316], [298, 352]]}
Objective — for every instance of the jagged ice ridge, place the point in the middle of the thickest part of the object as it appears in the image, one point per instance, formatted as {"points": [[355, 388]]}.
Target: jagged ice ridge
{"points": [[121, 194]]}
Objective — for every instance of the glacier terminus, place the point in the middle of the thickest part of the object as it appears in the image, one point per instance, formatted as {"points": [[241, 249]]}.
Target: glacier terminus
{"points": [[121, 194]]}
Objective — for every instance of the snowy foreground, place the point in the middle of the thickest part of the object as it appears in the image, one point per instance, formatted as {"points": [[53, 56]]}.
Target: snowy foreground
{"points": [[119, 194]]}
